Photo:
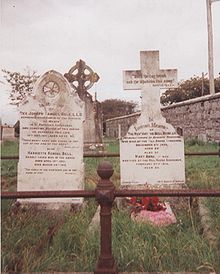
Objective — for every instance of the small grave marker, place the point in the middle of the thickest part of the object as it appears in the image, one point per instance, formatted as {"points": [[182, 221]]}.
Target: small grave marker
{"points": [[51, 140], [8, 133], [151, 153]]}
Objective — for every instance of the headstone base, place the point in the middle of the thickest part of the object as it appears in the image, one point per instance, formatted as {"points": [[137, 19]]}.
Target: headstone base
{"points": [[152, 187], [51, 206], [121, 202]]}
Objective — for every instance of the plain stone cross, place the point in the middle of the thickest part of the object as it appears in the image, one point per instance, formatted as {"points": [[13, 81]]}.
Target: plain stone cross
{"points": [[150, 79]]}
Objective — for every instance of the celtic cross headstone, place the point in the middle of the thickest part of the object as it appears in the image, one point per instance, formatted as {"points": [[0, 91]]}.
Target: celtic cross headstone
{"points": [[82, 77], [51, 140], [151, 153]]}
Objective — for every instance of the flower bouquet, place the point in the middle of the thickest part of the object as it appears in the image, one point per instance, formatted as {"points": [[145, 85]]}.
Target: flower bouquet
{"points": [[151, 210], [148, 203]]}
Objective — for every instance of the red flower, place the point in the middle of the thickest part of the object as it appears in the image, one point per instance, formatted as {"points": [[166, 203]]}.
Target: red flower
{"points": [[145, 202], [133, 200], [148, 203], [155, 202]]}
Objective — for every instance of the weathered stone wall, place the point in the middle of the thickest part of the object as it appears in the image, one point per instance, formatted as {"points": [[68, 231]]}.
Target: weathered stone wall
{"points": [[199, 117], [124, 122]]}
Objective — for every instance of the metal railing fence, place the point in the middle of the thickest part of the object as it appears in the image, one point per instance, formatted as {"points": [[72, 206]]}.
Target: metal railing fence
{"points": [[111, 155], [105, 193]]}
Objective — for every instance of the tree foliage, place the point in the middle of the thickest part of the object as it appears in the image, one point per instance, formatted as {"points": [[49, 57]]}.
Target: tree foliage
{"points": [[115, 107], [21, 84], [188, 89]]}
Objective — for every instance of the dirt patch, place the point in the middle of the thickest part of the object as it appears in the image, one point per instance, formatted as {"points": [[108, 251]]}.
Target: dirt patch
{"points": [[4, 184], [8, 184], [179, 203]]}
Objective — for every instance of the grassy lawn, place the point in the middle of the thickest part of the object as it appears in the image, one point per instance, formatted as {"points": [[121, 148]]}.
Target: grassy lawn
{"points": [[9, 167], [204, 172], [37, 241]]}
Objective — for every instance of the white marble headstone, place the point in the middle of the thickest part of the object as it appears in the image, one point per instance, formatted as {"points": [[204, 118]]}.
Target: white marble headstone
{"points": [[51, 140], [151, 153]]}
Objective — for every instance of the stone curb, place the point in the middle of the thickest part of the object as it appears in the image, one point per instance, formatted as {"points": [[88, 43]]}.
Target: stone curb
{"points": [[206, 221], [95, 223]]}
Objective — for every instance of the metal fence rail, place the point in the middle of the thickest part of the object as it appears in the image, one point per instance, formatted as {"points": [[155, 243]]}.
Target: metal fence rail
{"points": [[117, 193], [109, 155], [105, 193]]}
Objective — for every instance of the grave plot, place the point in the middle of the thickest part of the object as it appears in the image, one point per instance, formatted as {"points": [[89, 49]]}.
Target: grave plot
{"points": [[136, 246], [152, 152]]}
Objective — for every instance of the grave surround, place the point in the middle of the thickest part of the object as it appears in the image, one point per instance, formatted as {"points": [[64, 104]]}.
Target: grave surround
{"points": [[51, 140]]}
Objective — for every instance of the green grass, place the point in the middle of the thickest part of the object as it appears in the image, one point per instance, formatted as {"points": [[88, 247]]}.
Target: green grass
{"points": [[179, 247], [112, 145], [28, 244], [9, 167], [195, 145], [91, 164], [204, 172], [10, 148]]}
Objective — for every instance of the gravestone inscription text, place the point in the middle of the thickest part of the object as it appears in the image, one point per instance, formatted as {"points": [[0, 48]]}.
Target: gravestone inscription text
{"points": [[54, 137]]}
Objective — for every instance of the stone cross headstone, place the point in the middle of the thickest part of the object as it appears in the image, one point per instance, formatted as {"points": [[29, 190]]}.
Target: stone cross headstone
{"points": [[151, 153], [82, 78], [51, 140]]}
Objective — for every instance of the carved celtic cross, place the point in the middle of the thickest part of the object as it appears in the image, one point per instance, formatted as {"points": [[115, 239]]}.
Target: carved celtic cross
{"points": [[82, 77]]}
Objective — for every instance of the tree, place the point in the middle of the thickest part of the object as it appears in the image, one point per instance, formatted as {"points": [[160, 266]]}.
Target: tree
{"points": [[194, 87], [21, 84], [115, 107]]}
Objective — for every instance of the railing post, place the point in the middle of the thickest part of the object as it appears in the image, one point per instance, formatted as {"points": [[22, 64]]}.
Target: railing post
{"points": [[105, 195]]}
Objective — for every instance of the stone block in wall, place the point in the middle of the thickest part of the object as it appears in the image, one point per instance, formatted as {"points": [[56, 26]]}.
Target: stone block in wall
{"points": [[215, 105], [216, 113], [207, 105]]}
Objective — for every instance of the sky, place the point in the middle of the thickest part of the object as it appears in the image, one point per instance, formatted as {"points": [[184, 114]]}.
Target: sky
{"points": [[108, 35]]}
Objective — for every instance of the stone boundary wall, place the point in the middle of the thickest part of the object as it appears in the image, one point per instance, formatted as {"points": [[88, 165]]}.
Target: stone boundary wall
{"points": [[195, 118]]}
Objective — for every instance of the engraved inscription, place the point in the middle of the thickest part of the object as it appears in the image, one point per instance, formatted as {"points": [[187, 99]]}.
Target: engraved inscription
{"points": [[54, 138], [147, 157]]}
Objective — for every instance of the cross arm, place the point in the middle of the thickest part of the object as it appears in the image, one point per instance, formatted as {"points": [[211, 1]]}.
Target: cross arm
{"points": [[131, 79]]}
